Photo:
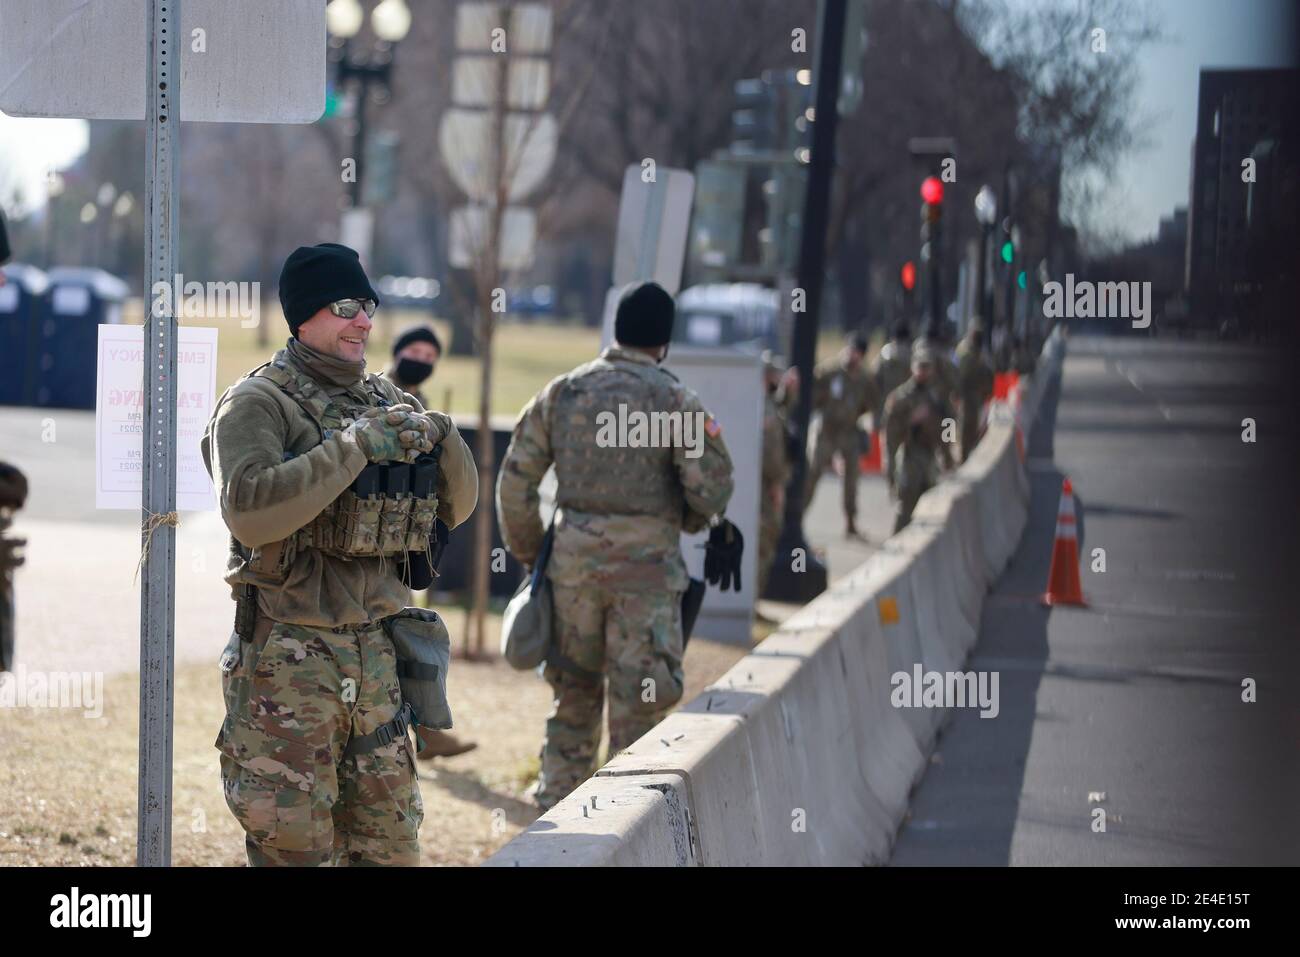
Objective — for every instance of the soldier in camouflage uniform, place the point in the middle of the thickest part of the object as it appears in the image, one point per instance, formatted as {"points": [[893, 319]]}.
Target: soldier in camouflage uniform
{"points": [[415, 357], [615, 569], [914, 446], [315, 761], [843, 392], [974, 386], [781, 389], [893, 367], [944, 373]]}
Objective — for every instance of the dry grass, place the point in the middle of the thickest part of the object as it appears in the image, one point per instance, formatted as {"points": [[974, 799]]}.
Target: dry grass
{"points": [[68, 783]]}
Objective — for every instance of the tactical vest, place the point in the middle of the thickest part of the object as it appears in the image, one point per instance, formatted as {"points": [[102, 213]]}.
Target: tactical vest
{"points": [[620, 479], [390, 508]]}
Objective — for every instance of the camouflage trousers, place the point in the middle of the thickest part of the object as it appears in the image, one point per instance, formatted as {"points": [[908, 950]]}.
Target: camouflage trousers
{"points": [[971, 409], [294, 696], [825, 443], [630, 639], [914, 475], [769, 533]]}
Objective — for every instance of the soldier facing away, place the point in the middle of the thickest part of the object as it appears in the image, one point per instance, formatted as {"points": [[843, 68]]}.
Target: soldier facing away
{"points": [[615, 569], [315, 760], [843, 392], [914, 446], [415, 357], [974, 386]]}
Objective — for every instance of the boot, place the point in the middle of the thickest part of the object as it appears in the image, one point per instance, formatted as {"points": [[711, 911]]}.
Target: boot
{"points": [[851, 529], [440, 744]]}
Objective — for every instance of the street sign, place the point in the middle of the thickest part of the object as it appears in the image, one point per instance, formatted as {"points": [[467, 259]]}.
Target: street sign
{"points": [[465, 138], [237, 61], [469, 237], [654, 219], [241, 61]]}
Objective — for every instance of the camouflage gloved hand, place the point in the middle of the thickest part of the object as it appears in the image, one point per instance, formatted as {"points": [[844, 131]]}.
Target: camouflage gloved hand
{"points": [[384, 435], [722, 556], [415, 429]]}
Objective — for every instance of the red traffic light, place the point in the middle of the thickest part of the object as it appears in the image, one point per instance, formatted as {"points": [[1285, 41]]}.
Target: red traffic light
{"points": [[907, 275], [932, 190]]}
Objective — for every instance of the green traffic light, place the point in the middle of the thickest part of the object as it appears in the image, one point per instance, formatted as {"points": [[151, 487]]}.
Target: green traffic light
{"points": [[1008, 252], [1022, 279]]}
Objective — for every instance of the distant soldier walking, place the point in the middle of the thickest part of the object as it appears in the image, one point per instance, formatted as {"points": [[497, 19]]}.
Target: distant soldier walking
{"points": [[974, 386], [914, 446], [843, 392], [893, 367], [615, 569]]}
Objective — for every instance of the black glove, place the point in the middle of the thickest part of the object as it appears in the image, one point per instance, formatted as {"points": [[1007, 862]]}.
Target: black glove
{"points": [[722, 556]]}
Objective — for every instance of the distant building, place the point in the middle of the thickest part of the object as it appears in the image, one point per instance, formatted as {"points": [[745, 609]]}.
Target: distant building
{"points": [[1240, 114]]}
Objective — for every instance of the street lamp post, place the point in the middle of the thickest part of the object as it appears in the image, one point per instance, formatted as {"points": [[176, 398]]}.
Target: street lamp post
{"points": [[986, 213], [390, 21]]}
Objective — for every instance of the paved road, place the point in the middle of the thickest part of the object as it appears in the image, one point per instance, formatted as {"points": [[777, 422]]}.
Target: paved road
{"points": [[1134, 705]]}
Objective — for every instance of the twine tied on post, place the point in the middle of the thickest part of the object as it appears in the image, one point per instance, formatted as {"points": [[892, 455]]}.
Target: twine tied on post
{"points": [[152, 523]]}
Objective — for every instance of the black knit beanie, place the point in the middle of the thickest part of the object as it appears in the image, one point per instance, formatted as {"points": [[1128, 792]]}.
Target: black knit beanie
{"points": [[417, 334], [315, 276], [645, 316]]}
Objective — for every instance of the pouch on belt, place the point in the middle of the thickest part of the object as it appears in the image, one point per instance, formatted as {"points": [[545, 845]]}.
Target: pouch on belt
{"points": [[423, 648]]}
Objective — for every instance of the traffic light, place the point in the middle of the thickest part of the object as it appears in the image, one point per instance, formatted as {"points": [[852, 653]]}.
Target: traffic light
{"points": [[932, 191], [1023, 280], [1008, 252], [379, 183], [753, 121], [907, 276]]}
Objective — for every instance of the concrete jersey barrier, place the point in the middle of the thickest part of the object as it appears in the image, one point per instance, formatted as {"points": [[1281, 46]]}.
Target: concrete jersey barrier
{"points": [[797, 756]]}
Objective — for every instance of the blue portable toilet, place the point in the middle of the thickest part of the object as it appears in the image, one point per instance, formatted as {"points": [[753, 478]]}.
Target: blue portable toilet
{"points": [[77, 301], [21, 304]]}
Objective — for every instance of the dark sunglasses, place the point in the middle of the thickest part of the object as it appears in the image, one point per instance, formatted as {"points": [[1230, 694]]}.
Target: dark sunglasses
{"points": [[348, 308]]}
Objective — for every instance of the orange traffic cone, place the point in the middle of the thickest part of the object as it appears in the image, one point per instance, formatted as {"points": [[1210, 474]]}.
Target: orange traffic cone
{"points": [[1063, 586], [869, 462]]}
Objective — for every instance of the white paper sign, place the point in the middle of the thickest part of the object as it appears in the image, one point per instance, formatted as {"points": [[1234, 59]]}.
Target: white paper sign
{"points": [[119, 416]]}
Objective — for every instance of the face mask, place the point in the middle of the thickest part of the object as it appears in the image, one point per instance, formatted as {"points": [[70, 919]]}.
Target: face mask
{"points": [[413, 373]]}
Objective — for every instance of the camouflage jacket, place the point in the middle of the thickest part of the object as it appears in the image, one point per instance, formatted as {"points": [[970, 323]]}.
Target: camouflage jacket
{"points": [[974, 376], [841, 396], [625, 490], [776, 465], [914, 417], [275, 471], [893, 367]]}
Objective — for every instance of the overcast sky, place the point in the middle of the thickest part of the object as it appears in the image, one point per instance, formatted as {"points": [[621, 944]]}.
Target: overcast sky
{"points": [[1202, 34]]}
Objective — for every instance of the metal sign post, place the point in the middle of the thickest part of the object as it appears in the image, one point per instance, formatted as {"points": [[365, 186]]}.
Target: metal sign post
{"points": [[158, 498], [71, 58]]}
